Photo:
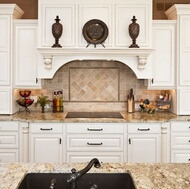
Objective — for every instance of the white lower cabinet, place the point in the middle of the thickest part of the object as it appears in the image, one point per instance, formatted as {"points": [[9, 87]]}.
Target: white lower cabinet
{"points": [[46, 142], [9, 141], [180, 142], [5, 96], [74, 157], [89, 140], [109, 142], [183, 100], [144, 143]]}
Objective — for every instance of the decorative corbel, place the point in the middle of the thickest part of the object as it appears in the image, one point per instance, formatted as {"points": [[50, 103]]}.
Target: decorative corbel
{"points": [[142, 62], [48, 62]]}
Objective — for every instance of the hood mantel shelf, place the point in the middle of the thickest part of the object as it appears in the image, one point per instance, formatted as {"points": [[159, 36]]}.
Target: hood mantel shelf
{"points": [[140, 54]]}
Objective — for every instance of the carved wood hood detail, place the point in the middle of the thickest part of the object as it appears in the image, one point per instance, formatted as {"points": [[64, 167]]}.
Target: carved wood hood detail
{"points": [[117, 15]]}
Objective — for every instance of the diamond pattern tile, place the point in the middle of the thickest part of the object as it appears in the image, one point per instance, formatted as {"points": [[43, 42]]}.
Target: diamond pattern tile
{"points": [[94, 84]]}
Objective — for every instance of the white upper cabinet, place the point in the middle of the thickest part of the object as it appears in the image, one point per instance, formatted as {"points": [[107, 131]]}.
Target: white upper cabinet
{"points": [[184, 47], [8, 12], [25, 53], [116, 14], [164, 54], [5, 54], [181, 13]]}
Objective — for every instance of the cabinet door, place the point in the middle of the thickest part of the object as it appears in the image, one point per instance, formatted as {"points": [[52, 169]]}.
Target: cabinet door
{"points": [[25, 46], [5, 101], [184, 50], [9, 155], [5, 55], [46, 148], [143, 148], [183, 102], [180, 156], [163, 55]]}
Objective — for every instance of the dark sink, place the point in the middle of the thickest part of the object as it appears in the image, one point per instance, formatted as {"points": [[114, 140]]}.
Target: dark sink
{"points": [[102, 180]]}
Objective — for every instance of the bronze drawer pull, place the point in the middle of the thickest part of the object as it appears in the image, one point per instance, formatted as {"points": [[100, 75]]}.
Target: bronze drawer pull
{"points": [[94, 143], [46, 129], [143, 129], [95, 129]]}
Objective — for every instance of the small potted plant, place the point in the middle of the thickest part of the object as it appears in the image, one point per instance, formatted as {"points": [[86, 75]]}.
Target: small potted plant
{"points": [[42, 101]]}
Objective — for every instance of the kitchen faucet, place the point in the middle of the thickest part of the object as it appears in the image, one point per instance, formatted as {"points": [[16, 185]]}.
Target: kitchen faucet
{"points": [[72, 179]]}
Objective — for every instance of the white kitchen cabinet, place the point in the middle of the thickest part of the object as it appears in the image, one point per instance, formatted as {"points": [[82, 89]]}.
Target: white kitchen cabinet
{"points": [[25, 54], [116, 14], [184, 49], [144, 143], [5, 100], [181, 13], [9, 141], [5, 45], [180, 142], [184, 56], [164, 55], [101, 140], [8, 155], [46, 142], [75, 157], [8, 12], [183, 101]]}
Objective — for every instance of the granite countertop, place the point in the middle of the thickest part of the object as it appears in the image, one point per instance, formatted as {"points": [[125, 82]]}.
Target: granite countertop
{"points": [[127, 117], [145, 176]]}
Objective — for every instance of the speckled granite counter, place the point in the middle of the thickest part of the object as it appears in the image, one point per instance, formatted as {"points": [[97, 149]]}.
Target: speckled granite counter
{"points": [[145, 176], [60, 117]]}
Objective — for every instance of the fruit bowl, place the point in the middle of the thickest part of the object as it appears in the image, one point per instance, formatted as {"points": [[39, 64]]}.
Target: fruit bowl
{"points": [[25, 102], [25, 93]]}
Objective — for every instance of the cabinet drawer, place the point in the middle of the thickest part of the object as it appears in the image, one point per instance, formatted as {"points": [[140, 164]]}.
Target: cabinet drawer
{"points": [[144, 128], [95, 128], [180, 126], [8, 126], [8, 155], [94, 143], [180, 156], [180, 141], [46, 128], [8, 140], [103, 157]]}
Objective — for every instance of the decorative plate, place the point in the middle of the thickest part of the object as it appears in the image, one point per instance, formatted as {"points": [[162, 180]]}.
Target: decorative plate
{"points": [[95, 32]]}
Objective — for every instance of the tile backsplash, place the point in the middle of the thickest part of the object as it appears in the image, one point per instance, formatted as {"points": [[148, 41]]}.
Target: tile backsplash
{"points": [[96, 86]]}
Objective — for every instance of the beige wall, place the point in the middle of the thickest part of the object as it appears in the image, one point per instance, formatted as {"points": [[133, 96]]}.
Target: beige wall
{"points": [[30, 7]]}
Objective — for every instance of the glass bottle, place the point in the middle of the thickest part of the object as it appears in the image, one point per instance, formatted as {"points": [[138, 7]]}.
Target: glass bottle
{"points": [[54, 101]]}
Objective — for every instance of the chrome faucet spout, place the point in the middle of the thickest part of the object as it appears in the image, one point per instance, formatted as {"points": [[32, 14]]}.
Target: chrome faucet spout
{"points": [[72, 179]]}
